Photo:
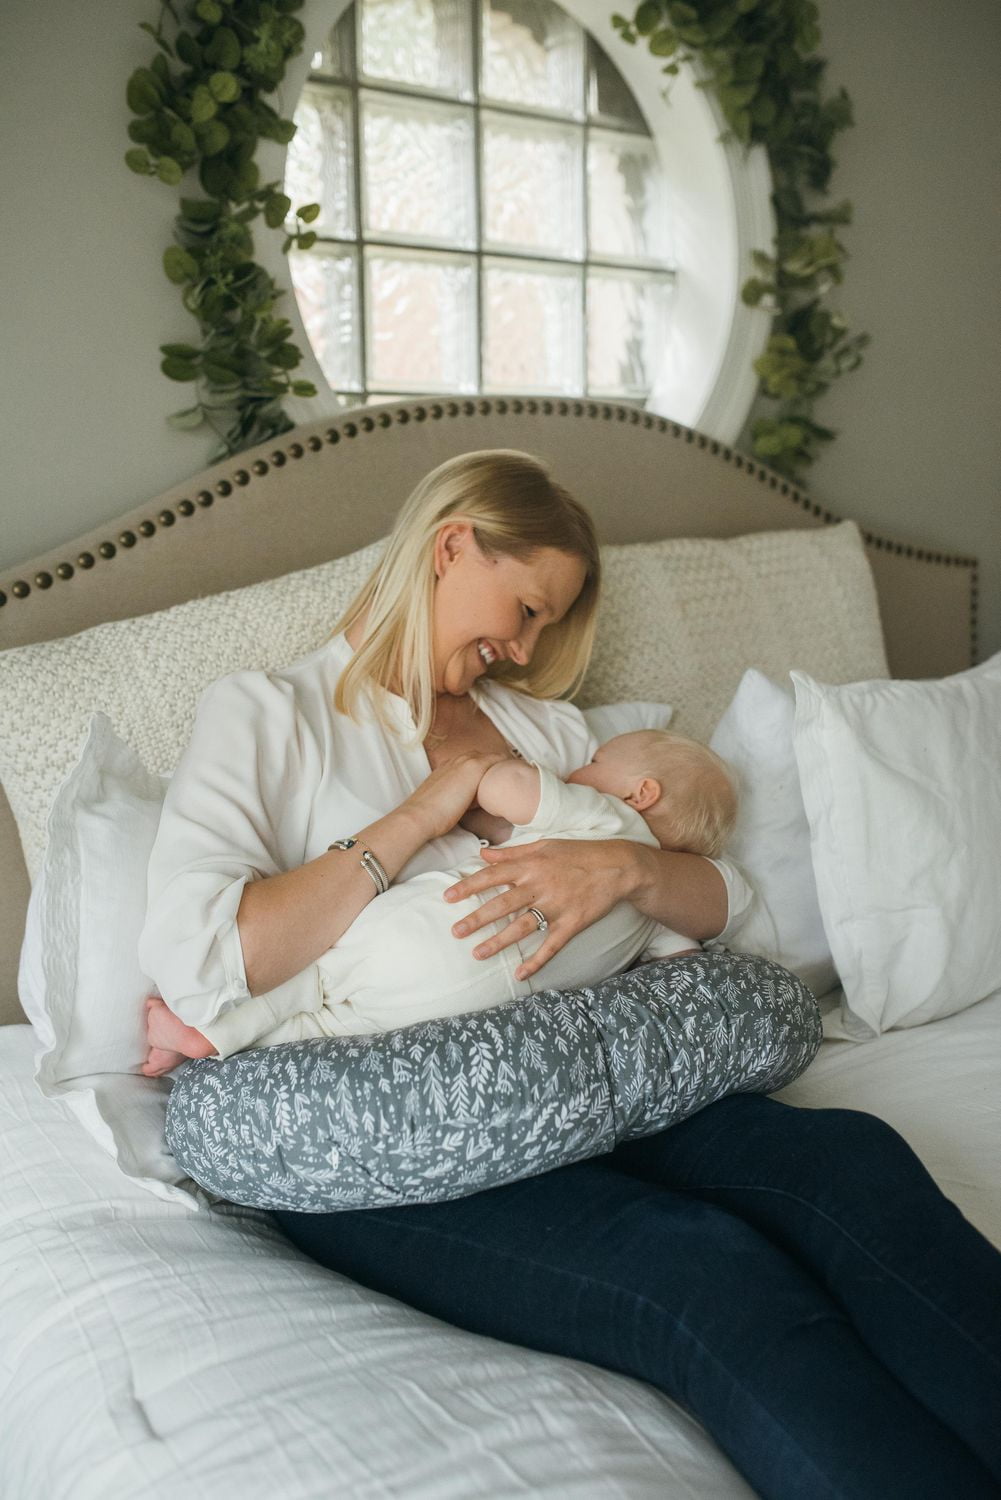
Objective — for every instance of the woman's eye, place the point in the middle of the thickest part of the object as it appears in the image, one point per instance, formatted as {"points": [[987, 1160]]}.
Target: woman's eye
{"points": [[530, 613]]}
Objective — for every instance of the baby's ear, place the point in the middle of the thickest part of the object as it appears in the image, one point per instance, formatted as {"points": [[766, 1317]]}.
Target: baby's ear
{"points": [[645, 793]]}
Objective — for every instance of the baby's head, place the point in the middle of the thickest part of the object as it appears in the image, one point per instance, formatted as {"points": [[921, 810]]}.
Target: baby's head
{"points": [[682, 788]]}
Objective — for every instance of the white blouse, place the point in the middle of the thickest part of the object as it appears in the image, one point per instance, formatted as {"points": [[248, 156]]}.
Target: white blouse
{"points": [[271, 776]]}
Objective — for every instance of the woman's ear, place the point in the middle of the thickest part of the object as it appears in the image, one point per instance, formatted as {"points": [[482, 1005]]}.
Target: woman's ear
{"points": [[452, 539], [644, 794]]}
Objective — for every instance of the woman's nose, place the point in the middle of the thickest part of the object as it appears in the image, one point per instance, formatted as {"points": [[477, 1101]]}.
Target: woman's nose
{"points": [[521, 648]]}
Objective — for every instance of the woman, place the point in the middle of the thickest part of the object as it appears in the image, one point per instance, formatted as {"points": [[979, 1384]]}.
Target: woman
{"points": [[794, 1278]]}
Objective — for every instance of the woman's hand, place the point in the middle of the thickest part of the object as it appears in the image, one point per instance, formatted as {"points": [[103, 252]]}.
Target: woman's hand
{"points": [[573, 882], [441, 800]]}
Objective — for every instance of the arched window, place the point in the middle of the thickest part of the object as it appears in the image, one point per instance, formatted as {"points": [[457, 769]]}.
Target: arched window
{"points": [[496, 212]]}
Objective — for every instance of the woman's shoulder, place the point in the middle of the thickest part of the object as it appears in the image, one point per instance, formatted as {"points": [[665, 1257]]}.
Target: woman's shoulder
{"points": [[296, 681]]}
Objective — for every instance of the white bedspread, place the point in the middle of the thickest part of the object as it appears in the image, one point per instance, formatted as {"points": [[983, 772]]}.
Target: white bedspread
{"points": [[148, 1351]]}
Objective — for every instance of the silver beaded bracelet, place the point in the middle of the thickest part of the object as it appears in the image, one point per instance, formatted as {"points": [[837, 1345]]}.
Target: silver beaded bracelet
{"points": [[369, 864]]}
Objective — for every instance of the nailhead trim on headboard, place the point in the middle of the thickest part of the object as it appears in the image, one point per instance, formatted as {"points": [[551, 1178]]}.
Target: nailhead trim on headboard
{"points": [[355, 423]]}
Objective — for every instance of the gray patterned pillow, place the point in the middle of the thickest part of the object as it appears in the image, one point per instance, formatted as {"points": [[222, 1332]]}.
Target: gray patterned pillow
{"points": [[452, 1106]]}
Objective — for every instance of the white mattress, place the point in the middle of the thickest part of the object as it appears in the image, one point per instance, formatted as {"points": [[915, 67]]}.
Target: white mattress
{"points": [[148, 1351]]}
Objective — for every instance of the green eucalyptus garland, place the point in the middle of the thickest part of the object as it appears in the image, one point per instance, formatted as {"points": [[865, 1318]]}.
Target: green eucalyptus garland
{"points": [[759, 59], [200, 105]]}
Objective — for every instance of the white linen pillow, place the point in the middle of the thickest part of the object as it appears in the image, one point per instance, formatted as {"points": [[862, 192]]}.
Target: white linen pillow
{"points": [[902, 787], [607, 720], [771, 838], [80, 981], [773, 600], [682, 620]]}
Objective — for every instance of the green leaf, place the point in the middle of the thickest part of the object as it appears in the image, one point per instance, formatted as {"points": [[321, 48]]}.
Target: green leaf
{"points": [[220, 376], [306, 241], [309, 213], [224, 49], [137, 160], [663, 43], [183, 137], [281, 131], [276, 210], [225, 87], [179, 369], [169, 171], [142, 92], [286, 357], [203, 105], [188, 49], [180, 351], [201, 210], [303, 388], [753, 290], [209, 11], [647, 17], [213, 137], [179, 265], [185, 421]]}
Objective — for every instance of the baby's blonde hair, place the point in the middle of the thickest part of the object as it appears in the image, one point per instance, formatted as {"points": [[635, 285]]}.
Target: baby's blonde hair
{"points": [[698, 802], [514, 508]]}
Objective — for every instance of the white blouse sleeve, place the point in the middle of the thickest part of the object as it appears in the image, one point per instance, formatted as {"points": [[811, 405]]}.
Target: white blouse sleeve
{"points": [[739, 896], [230, 816]]}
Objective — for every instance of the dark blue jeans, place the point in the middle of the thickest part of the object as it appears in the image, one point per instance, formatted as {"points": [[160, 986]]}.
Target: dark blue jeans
{"points": [[792, 1277]]}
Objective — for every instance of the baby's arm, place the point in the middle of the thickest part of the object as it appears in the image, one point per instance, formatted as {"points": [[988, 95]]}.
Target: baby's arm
{"points": [[511, 790]]}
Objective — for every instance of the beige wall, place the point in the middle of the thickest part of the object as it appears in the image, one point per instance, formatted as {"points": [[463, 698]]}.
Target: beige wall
{"points": [[919, 445], [82, 402]]}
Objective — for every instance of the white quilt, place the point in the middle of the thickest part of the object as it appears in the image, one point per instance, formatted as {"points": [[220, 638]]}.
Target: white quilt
{"points": [[148, 1351]]}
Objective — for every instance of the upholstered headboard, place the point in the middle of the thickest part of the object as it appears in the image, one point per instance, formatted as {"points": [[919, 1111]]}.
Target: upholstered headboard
{"points": [[327, 489]]}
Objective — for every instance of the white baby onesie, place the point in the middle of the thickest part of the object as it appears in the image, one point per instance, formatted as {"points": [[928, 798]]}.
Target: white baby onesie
{"points": [[398, 963]]}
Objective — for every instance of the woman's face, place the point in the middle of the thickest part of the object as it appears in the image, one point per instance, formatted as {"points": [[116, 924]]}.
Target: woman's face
{"points": [[489, 609]]}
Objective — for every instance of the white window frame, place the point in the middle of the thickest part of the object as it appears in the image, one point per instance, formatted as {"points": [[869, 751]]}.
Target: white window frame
{"points": [[720, 196]]}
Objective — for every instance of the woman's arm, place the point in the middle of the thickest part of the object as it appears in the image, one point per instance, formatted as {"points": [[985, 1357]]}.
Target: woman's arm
{"points": [[575, 882], [287, 920]]}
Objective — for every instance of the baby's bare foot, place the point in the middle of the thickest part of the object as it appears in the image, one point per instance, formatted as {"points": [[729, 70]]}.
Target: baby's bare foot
{"points": [[170, 1041], [159, 1062]]}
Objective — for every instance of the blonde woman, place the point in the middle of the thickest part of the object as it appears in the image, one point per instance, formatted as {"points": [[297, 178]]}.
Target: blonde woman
{"points": [[793, 1278]]}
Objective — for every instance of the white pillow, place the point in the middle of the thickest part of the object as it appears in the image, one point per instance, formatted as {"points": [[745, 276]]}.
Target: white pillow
{"points": [[80, 981], [771, 838], [608, 720], [902, 787], [682, 620]]}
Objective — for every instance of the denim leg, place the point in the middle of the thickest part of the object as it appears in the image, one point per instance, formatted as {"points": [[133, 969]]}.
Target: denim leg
{"points": [[845, 1195], [589, 1262]]}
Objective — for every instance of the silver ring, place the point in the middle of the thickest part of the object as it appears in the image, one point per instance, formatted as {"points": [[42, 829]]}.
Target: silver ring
{"points": [[541, 923]]}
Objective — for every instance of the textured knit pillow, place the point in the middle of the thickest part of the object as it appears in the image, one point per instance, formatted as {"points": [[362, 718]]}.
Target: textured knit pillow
{"points": [[147, 675], [682, 620]]}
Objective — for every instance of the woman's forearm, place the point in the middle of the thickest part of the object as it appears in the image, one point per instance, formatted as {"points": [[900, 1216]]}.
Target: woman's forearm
{"points": [[286, 921], [683, 891]]}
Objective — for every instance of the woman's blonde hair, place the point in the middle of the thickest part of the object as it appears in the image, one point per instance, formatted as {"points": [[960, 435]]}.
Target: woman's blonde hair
{"points": [[514, 508]]}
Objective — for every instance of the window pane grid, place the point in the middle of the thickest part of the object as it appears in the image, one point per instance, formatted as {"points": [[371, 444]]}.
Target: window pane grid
{"points": [[444, 274]]}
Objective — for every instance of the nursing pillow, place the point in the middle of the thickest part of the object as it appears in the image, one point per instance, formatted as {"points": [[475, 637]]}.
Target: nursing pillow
{"points": [[452, 1106]]}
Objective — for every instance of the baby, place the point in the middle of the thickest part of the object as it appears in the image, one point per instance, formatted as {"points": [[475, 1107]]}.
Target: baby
{"points": [[398, 962]]}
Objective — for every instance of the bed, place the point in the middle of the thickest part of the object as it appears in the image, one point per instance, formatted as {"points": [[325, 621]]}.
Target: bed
{"points": [[155, 1342]]}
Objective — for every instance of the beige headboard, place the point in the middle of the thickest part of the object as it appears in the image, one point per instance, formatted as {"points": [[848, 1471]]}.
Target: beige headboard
{"points": [[327, 489]]}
